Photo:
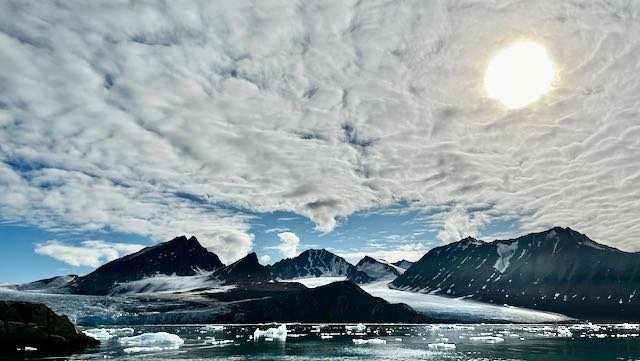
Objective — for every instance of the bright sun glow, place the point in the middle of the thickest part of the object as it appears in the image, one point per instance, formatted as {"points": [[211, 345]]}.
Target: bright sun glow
{"points": [[519, 74]]}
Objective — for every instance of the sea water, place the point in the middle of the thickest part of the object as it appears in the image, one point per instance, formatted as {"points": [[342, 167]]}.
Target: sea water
{"points": [[381, 342]]}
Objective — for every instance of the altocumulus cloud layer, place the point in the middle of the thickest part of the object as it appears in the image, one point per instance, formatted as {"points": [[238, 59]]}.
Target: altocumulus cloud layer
{"points": [[162, 118]]}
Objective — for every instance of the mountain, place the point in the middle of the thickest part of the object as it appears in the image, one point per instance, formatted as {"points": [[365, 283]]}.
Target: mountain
{"points": [[244, 271], [180, 257], [370, 270], [558, 270], [337, 302], [52, 285], [403, 264], [311, 263]]}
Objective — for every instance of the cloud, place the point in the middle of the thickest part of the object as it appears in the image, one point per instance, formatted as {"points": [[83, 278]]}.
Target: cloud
{"points": [[169, 118], [289, 244], [459, 224], [276, 229], [92, 253], [409, 251], [264, 259]]}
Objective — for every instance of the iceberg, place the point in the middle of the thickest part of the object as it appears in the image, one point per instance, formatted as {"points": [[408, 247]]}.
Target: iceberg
{"points": [[359, 328], [441, 346], [373, 341], [271, 334], [151, 342], [103, 334], [489, 339]]}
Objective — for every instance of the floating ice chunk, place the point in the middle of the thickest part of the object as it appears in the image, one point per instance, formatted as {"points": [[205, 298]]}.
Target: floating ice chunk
{"points": [[355, 328], [152, 342], [584, 327], [489, 339], [326, 337], [98, 334], [441, 346], [373, 341], [271, 334], [213, 341], [107, 333], [212, 328], [563, 331], [626, 326]]}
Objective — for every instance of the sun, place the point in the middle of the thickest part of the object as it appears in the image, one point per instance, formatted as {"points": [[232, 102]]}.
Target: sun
{"points": [[520, 74]]}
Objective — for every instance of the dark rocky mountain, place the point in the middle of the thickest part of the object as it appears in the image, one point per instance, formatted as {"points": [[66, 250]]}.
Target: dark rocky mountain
{"points": [[403, 264], [370, 270], [311, 263], [25, 324], [244, 271], [337, 302], [558, 270], [180, 256]]}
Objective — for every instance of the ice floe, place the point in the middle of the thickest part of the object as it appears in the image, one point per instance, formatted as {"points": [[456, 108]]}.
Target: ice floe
{"points": [[441, 346], [359, 328], [372, 341], [151, 342], [271, 334]]}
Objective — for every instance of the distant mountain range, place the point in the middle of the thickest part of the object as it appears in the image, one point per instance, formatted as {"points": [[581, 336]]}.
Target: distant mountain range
{"points": [[558, 270]]}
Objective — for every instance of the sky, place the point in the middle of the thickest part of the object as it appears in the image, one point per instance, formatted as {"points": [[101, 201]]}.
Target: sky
{"points": [[275, 126]]}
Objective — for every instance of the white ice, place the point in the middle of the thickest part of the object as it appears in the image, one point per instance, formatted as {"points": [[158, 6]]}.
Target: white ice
{"points": [[462, 309], [441, 346], [373, 341], [107, 333], [279, 333], [355, 328], [151, 342]]}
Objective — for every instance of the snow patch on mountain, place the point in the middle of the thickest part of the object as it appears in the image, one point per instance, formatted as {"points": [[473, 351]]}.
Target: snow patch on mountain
{"points": [[170, 284], [505, 252]]}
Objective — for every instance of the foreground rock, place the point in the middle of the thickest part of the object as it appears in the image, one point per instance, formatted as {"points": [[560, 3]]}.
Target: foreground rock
{"points": [[35, 326]]}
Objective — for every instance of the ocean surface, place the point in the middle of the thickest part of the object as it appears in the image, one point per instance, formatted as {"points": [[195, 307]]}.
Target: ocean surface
{"points": [[390, 342]]}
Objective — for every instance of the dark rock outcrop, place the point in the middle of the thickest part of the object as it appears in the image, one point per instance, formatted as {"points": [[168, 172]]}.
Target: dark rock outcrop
{"points": [[311, 263], [25, 324], [558, 270], [246, 270], [336, 302], [180, 256]]}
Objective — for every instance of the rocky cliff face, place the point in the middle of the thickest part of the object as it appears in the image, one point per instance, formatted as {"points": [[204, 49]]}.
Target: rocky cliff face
{"points": [[558, 270], [25, 324]]}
